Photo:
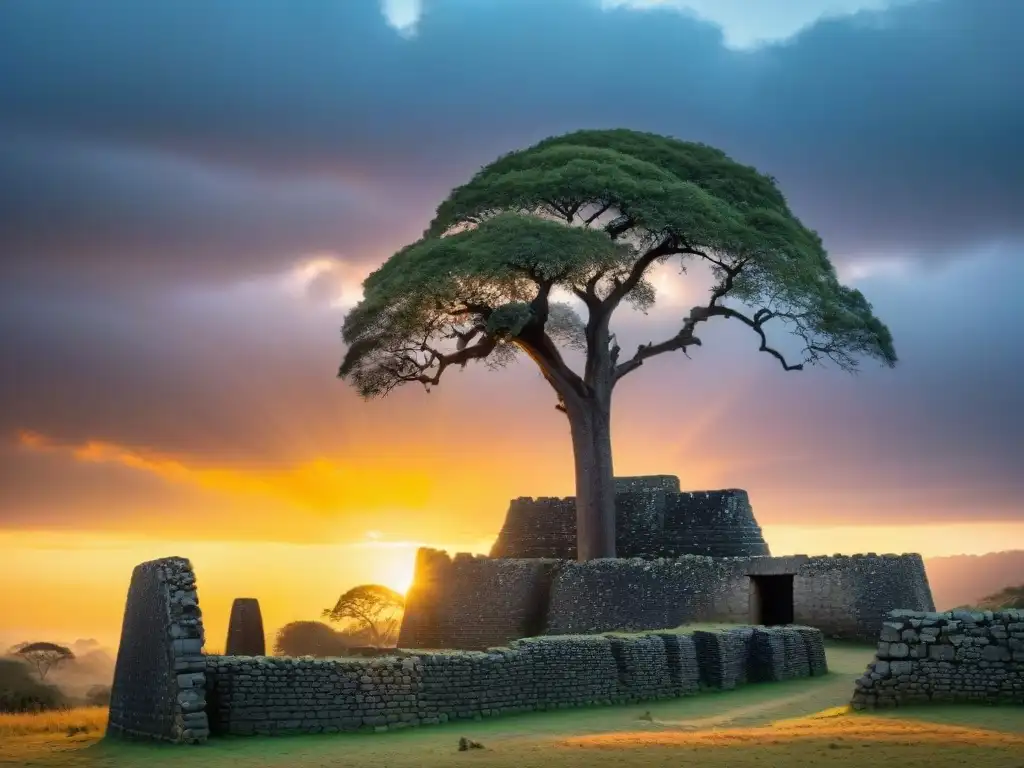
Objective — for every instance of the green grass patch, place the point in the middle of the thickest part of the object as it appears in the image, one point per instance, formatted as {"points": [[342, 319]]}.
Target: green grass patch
{"points": [[686, 629], [777, 725]]}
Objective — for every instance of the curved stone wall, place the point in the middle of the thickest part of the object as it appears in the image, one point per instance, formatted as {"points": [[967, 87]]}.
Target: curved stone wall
{"points": [[288, 696], [709, 523], [475, 602], [653, 519]]}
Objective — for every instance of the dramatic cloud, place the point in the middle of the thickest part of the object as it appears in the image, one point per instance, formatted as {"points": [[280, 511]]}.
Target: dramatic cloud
{"points": [[114, 215], [192, 193], [885, 140]]}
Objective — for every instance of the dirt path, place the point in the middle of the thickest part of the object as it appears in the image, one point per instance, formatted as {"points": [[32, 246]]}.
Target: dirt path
{"points": [[749, 713]]}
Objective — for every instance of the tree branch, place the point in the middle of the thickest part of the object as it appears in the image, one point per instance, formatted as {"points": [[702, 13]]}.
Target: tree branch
{"points": [[542, 350], [686, 338], [681, 341], [412, 369], [757, 326], [636, 274], [619, 226], [594, 217]]}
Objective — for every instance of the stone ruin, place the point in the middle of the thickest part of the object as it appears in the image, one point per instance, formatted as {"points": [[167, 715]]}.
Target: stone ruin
{"points": [[953, 657], [167, 689], [654, 519], [245, 629], [684, 558]]}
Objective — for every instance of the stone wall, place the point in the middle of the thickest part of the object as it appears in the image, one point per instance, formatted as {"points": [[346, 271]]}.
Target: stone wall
{"points": [[634, 595], [278, 695], [491, 601], [166, 689], [159, 677], [711, 523], [850, 597], [957, 656], [653, 520], [474, 602]]}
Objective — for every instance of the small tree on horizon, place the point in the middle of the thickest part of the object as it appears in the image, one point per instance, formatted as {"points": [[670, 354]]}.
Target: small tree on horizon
{"points": [[373, 608], [42, 656], [314, 638], [587, 215]]}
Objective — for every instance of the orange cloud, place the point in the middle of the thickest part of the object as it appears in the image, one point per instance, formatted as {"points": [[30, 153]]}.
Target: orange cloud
{"points": [[322, 484]]}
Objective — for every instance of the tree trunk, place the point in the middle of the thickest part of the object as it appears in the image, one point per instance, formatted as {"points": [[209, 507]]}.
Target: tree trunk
{"points": [[590, 425]]}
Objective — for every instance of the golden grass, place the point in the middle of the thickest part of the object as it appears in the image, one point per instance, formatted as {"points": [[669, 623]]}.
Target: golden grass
{"points": [[796, 724], [832, 738], [92, 720], [835, 729]]}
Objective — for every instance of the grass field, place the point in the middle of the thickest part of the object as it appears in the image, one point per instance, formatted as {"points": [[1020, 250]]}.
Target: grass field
{"points": [[798, 724]]}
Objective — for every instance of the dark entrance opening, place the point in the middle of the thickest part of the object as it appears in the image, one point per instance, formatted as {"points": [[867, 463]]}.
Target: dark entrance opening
{"points": [[772, 599]]}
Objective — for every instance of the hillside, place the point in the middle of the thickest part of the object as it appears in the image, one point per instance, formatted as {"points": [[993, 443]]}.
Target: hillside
{"points": [[967, 579]]}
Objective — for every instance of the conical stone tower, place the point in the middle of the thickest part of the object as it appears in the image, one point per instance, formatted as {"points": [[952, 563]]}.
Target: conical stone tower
{"points": [[245, 629]]}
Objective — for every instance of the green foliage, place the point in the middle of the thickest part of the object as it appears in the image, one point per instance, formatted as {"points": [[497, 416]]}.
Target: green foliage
{"points": [[98, 696], [314, 638], [587, 214], [371, 608], [20, 691]]}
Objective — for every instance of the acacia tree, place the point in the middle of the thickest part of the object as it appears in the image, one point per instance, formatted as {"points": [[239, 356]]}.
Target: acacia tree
{"points": [[373, 608], [43, 656], [588, 215]]}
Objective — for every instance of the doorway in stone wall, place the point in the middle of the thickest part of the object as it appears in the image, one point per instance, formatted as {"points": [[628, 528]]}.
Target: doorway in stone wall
{"points": [[772, 599]]}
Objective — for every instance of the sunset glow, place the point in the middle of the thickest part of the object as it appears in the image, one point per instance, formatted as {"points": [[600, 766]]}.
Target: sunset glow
{"points": [[187, 222], [80, 580]]}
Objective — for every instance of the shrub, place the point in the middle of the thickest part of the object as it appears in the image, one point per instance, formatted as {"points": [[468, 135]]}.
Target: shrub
{"points": [[21, 692], [98, 696], [314, 638]]}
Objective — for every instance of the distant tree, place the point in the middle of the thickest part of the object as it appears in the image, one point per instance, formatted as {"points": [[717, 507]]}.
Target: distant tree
{"points": [[21, 691], [314, 638], [1011, 597], [98, 696], [374, 608], [43, 656], [588, 215]]}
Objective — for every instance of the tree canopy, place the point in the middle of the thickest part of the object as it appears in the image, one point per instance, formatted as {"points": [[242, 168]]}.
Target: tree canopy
{"points": [[21, 691], [536, 252], [314, 638], [373, 608], [586, 215], [43, 656]]}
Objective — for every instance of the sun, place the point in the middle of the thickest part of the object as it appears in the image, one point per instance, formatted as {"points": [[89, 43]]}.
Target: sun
{"points": [[400, 579], [392, 564]]}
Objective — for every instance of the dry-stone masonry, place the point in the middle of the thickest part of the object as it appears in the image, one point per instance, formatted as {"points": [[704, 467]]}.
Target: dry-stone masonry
{"points": [[681, 657], [473, 602], [956, 656], [165, 688], [278, 696], [683, 558], [245, 629], [159, 677], [722, 658], [653, 519]]}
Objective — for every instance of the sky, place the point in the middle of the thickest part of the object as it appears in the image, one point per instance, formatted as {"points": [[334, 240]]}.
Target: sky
{"points": [[193, 191]]}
